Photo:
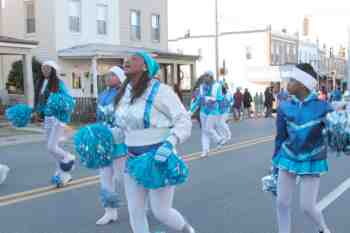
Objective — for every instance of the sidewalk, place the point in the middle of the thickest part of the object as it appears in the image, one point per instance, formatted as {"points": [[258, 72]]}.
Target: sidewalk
{"points": [[13, 136]]}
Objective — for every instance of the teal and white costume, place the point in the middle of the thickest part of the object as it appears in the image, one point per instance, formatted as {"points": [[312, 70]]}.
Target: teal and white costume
{"points": [[152, 126], [300, 150], [57, 110], [109, 196], [225, 106], [209, 99]]}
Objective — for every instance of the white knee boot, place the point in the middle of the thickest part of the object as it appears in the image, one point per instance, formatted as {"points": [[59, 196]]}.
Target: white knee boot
{"points": [[111, 215]]}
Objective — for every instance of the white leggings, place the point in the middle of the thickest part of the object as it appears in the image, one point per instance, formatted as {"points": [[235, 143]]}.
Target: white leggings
{"points": [[54, 133], [161, 204], [108, 175], [309, 188], [210, 128], [224, 129]]}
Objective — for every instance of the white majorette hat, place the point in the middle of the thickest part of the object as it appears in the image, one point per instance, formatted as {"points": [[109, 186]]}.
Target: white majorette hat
{"points": [[52, 64], [209, 73], [306, 79], [117, 71]]}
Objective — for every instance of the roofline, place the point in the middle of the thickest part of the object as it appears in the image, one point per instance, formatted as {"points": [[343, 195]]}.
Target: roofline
{"points": [[12, 40], [17, 45], [122, 54], [221, 34]]}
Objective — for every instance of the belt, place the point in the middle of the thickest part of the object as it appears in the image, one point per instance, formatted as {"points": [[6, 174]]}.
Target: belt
{"points": [[139, 150], [146, 137]]}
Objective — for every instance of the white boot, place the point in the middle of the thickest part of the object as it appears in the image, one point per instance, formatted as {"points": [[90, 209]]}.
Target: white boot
{"points": [[188, 229], [62, 179], [204, 154], [111, 215], [4, 170]]}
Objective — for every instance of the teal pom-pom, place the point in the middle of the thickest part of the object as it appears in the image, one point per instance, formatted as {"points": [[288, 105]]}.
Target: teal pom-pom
{"points": [[338, 132], [153, 175], [19, 115], [94, 144], [60, 105]]}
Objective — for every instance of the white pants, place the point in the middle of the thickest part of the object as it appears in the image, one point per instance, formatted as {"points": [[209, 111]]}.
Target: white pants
{"points": [[309, 188], [224, 129], [54, 133], [210, 129], [161, 204]]}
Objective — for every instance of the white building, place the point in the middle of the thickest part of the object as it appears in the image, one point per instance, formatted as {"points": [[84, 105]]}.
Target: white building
{"points": [[87, 37], [309, 52], [251, 58]]}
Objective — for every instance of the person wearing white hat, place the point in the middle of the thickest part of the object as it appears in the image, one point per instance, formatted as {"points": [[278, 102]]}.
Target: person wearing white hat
{"points": [[300, 148], [105, 112], [209, 99], [54, 122]]}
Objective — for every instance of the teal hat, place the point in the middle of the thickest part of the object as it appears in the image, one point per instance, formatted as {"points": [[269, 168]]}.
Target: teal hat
{"points": [[151, 63]]}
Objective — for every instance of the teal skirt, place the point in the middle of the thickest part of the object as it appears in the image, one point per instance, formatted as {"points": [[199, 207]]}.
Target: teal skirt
{"points": [[153, 175], [317, 167]]}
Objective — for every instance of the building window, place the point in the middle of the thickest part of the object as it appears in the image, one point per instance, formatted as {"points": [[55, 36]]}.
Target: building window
{"points": [[76, 80], [30, 17], [75, 16], [102, 19], [135, 21], [156, 28]]}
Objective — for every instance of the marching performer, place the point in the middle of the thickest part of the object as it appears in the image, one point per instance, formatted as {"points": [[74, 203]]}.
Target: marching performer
{"points": [[300, 149], [224, 107], [153, 121], [105, 113], [210, 95], [53, 102]]}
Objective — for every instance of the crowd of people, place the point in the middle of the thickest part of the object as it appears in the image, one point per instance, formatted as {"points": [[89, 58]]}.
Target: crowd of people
{"points": [[145, 121]]}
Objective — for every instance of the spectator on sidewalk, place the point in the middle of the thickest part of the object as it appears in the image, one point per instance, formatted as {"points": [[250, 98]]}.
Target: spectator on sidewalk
{"points": [[323, 94], [247, 103], [237, 106], [258, 104], [269, 98]]}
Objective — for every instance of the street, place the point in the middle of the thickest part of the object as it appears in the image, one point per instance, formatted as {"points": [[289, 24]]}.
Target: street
{"points": [[223, 194]]}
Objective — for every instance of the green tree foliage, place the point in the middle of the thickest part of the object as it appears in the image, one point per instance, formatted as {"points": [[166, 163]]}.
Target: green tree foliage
{"points": [[15, 76]]}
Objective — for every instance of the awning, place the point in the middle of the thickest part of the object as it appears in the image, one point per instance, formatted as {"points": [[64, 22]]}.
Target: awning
{"points": [[263, 75], [89, 51]]}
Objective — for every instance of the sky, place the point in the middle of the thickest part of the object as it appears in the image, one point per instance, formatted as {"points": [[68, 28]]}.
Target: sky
{"points": [[330, 19]]}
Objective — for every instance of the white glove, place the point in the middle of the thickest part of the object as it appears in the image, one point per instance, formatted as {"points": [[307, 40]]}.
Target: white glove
{"points": [[118, 135]]}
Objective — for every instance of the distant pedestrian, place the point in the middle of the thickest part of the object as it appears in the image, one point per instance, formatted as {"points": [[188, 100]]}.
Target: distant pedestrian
{"points": [[323, 94], [269, 98], [247, 103], [258, 104], [237, 106]]}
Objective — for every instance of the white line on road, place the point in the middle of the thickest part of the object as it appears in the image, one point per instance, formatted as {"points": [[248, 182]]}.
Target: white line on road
{"points": [[334, 195]]}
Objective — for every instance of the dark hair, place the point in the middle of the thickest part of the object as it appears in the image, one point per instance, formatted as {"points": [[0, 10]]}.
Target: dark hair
{"points": [[137, 90], [307, 68], [224, 90], [52, 86], [199, 81]]}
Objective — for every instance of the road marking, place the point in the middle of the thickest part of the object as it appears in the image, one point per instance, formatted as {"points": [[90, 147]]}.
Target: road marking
{"points": [[92, 180], [334, 195]]}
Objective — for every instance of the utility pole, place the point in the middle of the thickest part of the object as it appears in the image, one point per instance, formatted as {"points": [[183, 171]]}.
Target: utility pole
{"points": [[217, 40]]}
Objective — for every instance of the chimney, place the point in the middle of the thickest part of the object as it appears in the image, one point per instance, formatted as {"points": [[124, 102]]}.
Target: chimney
{"points": [[306, 26]]}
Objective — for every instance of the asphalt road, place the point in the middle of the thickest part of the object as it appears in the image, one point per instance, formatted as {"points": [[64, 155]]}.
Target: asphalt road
{"points": [[223, 194]]}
